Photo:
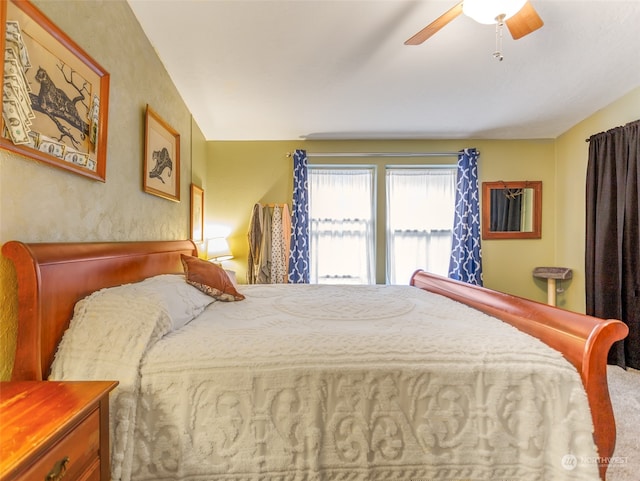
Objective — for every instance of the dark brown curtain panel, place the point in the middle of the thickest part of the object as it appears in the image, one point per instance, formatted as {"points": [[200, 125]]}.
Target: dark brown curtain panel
{"points": [[612, 254]]}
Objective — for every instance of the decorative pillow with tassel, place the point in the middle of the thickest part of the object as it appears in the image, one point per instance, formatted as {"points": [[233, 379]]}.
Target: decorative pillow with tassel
{"points": [[210, 279]]}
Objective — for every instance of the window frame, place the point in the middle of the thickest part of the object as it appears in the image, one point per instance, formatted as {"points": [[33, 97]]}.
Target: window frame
{"points": [[380, 162], [373, 169], [421, 167]]}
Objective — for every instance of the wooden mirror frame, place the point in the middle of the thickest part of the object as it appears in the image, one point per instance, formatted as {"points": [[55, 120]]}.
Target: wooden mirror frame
{"points": [[535, 233]]}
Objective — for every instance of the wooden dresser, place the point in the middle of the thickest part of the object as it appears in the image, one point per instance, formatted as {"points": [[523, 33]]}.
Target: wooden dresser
{"points": [[52, 430]]}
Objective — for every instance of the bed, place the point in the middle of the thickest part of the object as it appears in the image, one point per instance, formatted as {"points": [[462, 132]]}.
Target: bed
{"points": [[304, 423]]}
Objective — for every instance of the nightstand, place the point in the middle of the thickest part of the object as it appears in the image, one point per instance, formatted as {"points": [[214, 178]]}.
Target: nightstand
{"points": [[51, 429]]}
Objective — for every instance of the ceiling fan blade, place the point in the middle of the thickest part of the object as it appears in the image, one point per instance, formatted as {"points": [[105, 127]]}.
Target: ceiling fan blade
{"points": [[436, 25], [524, 22]]}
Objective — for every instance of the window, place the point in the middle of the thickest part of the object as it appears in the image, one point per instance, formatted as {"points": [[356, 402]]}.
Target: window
{"points": [[342, 231], [420, 210], [415, 231]]}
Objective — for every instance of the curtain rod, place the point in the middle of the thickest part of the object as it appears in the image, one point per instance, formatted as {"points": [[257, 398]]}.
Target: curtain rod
{"points": [[379, 154]]}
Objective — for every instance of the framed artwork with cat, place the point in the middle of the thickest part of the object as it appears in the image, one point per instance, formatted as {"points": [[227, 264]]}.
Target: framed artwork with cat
{"points": [[55, 97], [161, 166]]}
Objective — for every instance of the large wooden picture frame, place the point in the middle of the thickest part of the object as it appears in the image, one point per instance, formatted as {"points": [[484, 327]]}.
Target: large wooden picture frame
{"points": [[197, 214], [161, 166], [55, 96]]}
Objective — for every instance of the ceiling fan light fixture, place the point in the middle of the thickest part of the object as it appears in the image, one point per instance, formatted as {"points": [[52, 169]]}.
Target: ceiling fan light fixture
{"points": [[487, 11]]}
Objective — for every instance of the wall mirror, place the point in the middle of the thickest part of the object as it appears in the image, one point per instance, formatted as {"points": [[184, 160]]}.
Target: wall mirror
{"points": [[512, 210]]}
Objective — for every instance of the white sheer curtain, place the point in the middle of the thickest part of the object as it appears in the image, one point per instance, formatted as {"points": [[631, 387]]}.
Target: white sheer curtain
{"points": [[420, 211], [341, 209]]}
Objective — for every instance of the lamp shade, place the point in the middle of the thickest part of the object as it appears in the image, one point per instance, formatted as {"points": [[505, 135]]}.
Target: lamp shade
{"points": [[486, 11], [218, 249]]}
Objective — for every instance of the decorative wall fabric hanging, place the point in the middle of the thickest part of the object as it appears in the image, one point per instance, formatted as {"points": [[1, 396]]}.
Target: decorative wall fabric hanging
{"points": [[55, 96]]}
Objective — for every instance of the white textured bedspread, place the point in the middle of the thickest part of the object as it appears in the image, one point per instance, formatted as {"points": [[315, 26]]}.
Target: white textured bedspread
{"points": [[376, 383]]}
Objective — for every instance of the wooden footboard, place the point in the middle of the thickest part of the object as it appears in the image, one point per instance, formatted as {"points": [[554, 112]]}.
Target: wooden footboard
{"points": [[583, 340]]}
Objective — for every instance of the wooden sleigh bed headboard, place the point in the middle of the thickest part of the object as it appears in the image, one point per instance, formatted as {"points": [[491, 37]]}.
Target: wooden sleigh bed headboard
{"points": [[53, 277]]}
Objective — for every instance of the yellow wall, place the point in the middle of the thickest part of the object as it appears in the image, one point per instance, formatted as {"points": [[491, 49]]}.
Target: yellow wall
{"points": [[239, 174], [41, 203], [572, 156], [199, 159], [243, 173]]}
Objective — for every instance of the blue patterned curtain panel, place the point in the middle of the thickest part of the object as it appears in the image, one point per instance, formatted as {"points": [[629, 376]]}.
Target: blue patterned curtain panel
{"points": [[299, 252], [466, 254]]}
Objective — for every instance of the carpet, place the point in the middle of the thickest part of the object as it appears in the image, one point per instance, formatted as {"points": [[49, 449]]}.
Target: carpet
{"points": [[624, 387]]}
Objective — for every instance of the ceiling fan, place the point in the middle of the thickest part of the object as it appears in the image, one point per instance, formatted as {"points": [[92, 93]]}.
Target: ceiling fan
{"points": [[519, 15]]}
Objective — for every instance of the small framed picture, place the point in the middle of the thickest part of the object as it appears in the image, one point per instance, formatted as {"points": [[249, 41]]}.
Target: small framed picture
{"points": [[161, 174], [55, 96], [197, 214]]}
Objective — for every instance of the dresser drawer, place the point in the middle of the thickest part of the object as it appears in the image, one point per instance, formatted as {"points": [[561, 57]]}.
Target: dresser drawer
{"points": [[47, 423], [81, 450], [91, 474]]}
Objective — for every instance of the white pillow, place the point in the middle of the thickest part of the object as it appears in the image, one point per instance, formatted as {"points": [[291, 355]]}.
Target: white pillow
{"points": [[182, 301]]}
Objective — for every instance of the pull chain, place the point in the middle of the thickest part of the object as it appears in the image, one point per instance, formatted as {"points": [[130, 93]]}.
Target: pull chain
{"points": [[499, 25]]}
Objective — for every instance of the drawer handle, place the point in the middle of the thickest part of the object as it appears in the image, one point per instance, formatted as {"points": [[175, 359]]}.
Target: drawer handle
{"points": [[58, 470]]}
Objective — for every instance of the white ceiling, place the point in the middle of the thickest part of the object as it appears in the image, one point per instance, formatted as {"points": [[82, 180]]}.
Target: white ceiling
{"points": [[339, 69]]}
